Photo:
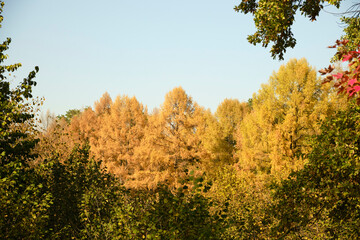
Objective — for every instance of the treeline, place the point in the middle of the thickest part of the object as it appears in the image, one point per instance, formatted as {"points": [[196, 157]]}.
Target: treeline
{"points": [[264, 136], [284, 165]]}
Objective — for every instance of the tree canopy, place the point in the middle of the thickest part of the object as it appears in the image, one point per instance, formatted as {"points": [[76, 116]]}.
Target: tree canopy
{"points": [[274, 19], [284, 165]]}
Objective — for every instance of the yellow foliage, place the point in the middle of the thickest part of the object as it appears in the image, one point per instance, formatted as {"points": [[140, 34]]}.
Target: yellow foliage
{"points": [[172, 141], [120, 130], [219, 137], [285, 112]]}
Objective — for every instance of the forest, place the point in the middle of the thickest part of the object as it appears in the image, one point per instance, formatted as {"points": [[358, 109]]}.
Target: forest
{"points": [[283, 165]]}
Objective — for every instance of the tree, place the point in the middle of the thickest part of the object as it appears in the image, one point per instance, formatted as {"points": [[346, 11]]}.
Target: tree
{"points": [[120, 133], [86, 126], [219, 137], [322, 200], [172, 140], [84, 196], [103, 105], [239, 203], [285, 112], [23, 200], [273, 20], [59, 139], [76, 127]]}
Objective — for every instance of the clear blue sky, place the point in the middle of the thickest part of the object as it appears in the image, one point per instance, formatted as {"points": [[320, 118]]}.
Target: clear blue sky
{"points": [[146, 48]]}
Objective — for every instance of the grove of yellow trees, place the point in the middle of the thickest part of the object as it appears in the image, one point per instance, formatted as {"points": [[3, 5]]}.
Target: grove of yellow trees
{"points": [[183, 172], [266, 135]]}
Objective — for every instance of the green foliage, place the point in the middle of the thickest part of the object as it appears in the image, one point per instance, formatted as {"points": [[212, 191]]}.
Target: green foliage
{"points": [[163, 213], [23, 200], [83, 196], [182, 216], [101, 198], [273, 20], [15, 112], [322, 200], [238, 203], [352, 33]]}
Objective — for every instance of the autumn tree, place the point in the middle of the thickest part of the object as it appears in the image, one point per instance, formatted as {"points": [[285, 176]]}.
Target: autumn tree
{"points": [[89, 123], [219, 138], [285, 111], [113, 130], [120, 132], [86, 125], [73, 128], [59, 138], [70, 114], [172, 141]]}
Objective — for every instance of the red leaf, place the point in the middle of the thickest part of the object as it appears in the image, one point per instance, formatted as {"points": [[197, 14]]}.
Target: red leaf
{"points": [[352, 81], [338, 76], [347, 57]]}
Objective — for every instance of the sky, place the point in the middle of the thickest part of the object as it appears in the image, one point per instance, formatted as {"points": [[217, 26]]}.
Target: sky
{"points": [[144, 48]]}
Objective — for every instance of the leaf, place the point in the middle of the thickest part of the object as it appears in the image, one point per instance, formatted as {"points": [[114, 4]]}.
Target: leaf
{"points": [[357, 88], [338, 75], [347, 57], [352, 82]]}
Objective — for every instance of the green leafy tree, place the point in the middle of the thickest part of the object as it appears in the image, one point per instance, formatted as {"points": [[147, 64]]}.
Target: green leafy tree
{"points": [[273, 21], [23, 201], [84, 197], [238, 202], [168, 213]]}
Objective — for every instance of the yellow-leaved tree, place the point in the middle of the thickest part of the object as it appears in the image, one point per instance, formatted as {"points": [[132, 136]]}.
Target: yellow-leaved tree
{"points": [[219, 138], [120, 132], [285, 112], [172, 141]]}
